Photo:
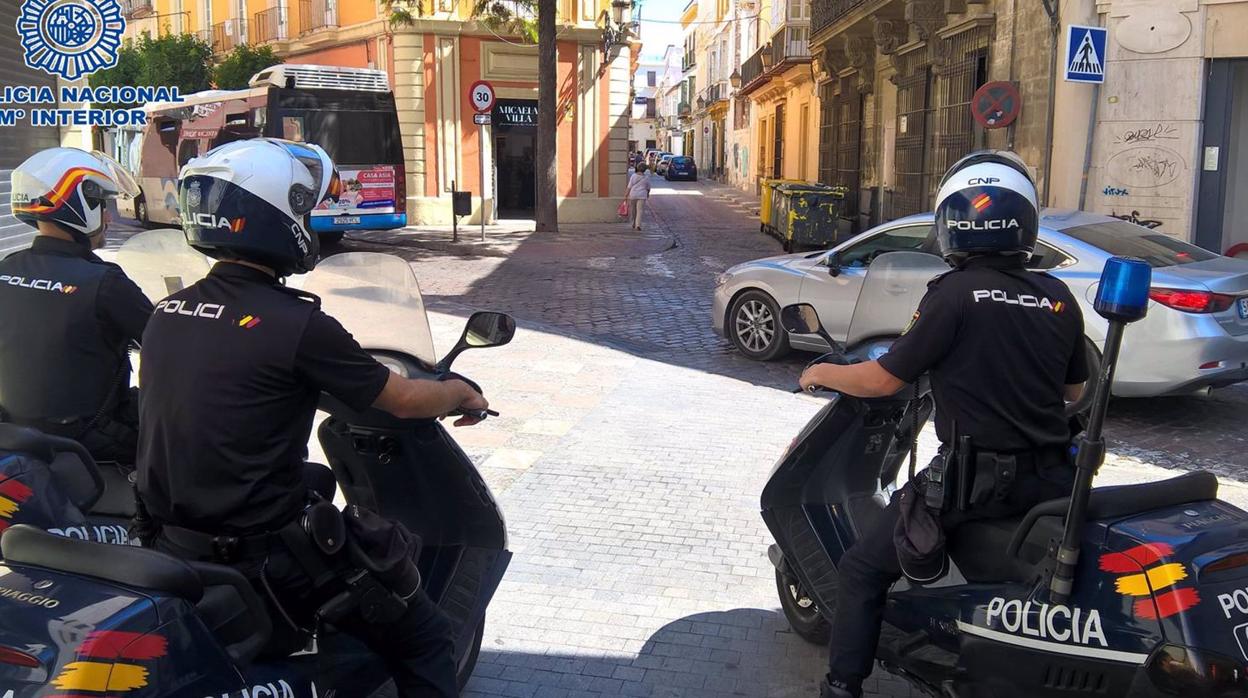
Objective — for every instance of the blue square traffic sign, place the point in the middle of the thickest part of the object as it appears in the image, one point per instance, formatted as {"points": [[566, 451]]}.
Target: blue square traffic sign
{"points": [[1085, 53]]}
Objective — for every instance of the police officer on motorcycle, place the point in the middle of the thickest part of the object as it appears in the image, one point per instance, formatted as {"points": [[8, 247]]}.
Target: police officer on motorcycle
{"points": [[1004, 349], [232, 370], [67, 318]]}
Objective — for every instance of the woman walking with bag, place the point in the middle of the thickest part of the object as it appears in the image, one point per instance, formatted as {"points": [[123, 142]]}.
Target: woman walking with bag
{"points": [[637, 193]]}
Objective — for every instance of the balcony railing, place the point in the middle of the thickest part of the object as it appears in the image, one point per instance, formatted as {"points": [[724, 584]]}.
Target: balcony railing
{"points": [[228, 34], [753, 68], [792, 43], [269, 25], [717, 92], [130, 8], [315, 15], [824, 13]]}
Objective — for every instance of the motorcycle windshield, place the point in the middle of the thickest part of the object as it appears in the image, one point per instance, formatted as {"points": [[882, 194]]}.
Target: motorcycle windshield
{"points": [[161, 262], [376, 297], [891, 291]]}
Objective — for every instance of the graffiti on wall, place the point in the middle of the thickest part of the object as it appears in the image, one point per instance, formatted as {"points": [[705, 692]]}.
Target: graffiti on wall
{"points": [[1134, 217], [1160, 132], [1143, 173], [1145, 167]]}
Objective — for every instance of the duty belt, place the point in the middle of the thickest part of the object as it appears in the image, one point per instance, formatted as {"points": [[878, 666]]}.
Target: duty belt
{"points": [[221, 548]]}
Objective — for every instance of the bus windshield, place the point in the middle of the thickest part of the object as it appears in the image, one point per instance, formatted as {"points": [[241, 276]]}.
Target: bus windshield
{"points": [[355, 128], [360, 131]]}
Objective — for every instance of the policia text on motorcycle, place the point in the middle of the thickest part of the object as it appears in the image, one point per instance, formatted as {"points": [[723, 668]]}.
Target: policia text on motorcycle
{"points": [[1004, 349], [230, 396], [69, 318]]}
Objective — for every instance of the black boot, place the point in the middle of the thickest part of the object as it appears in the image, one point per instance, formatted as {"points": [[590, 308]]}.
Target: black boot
{"points": [[836, 689]]}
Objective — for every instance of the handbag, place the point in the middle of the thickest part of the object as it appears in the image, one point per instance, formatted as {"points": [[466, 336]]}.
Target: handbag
{"points": [[623, 209]]}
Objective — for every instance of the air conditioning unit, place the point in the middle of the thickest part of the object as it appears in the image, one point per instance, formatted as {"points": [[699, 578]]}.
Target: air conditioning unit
{"points": [[322, 77]]}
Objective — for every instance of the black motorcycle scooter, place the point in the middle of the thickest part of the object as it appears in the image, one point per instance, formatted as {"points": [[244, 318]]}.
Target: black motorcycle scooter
{"points": [[1150, 597], [82, 618]]}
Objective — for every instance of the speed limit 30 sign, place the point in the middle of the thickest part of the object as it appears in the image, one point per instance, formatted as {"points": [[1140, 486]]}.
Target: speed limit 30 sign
{"points": [[481, 95]]}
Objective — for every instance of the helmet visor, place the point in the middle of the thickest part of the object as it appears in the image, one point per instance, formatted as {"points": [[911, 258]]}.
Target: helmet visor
{"points": [[323, 174], [126, 183], [310, 158]]}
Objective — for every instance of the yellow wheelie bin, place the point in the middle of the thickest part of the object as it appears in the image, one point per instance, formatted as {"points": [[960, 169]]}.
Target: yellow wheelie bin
{"points": [[768, 198], [804, 216]]}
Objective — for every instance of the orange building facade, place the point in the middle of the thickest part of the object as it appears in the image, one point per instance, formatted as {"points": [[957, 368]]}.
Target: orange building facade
{"points": [[432, 62]]}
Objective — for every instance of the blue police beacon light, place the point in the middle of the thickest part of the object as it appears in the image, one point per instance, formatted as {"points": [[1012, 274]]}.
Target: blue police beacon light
{"points": [[1121, 298], [1123, 293]]}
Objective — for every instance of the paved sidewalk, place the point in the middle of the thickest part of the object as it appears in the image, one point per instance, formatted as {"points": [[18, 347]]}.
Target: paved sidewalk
{"points": [[631, 491]]}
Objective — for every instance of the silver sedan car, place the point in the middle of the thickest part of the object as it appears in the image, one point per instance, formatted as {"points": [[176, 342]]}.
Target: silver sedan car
{"points": [[1195, 336]]}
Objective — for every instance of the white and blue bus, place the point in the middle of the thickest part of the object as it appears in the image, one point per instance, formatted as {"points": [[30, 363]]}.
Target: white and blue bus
{"points": [[348, 111]]}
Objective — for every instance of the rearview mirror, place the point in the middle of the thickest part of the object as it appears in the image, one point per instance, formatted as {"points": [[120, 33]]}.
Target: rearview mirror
{"points": [[489, 330], [834, 264], [801, 318], [483, 330]]}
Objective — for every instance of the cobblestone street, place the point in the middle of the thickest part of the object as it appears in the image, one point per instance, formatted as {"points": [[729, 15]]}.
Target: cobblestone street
{"points": [[633, 445]]}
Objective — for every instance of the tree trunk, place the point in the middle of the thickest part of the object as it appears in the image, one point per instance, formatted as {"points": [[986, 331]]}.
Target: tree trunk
{"points": [[546, 158]]}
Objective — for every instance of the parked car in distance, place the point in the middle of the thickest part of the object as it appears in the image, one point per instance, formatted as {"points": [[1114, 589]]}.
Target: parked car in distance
{"points": [[1194, 338], [664, 161], [681, 167]]}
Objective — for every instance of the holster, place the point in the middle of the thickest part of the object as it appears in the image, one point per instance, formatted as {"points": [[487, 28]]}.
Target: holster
{"points": [[993, 479]]}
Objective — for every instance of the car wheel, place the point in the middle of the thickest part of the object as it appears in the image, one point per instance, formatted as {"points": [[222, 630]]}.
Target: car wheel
{"points": [[1081, 406], [140, 211], [755, 327], [803, 615]]}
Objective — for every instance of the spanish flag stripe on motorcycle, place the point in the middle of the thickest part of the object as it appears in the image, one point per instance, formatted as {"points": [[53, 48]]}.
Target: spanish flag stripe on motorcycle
{"points": [[1167, 604], [117, 644], [1135, 559], [8, 507], [15, 490], [1155, 579], [101, 676]]}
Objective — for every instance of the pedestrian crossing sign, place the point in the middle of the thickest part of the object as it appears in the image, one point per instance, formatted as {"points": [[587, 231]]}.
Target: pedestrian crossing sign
{"points": [[1085, 54]]}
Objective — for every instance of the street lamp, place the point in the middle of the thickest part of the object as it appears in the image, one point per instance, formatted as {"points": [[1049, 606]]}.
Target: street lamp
{"points": [[617, 10], [701, 104], [615, 32], [735, 79], [766, 56]]}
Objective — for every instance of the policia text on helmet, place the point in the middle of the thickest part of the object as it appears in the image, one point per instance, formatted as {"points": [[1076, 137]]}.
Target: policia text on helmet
{"points": [[1000, 373]]}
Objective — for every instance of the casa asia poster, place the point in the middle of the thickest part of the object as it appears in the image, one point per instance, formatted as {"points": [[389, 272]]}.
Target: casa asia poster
{"points": [[371, 190]]}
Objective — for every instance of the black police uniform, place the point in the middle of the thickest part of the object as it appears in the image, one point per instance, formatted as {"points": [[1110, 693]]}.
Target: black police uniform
{"points": [[68, 319], [232, 369], [1000, 343]]}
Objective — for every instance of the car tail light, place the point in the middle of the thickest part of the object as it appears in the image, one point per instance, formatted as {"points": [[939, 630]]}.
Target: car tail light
{"points": [[13, 657], [1229, 562], [400, 189], [1191, 301]]}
